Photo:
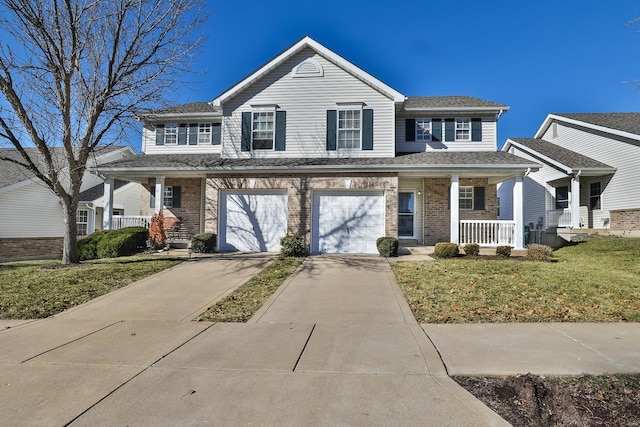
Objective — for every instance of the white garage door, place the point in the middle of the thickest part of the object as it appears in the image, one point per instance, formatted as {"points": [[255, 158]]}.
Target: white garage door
{"points": [[252, 221], [347, 222]]}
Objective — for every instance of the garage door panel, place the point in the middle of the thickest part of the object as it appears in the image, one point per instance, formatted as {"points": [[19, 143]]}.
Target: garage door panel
{"points": [[347, 222], [252, 222]]}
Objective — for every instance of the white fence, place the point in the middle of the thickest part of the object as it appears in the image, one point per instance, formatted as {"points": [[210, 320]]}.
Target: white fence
{"points": [[559, 218], [122, 221], [487, 233]]}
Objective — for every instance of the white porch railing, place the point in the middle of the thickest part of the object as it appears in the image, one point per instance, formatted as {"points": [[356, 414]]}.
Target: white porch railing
{"points": [[559, 218], [122, 221], [487, 233]]}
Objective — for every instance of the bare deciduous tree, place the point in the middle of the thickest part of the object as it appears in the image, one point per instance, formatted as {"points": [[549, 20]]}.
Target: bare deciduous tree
{"points": [[74, 73]]}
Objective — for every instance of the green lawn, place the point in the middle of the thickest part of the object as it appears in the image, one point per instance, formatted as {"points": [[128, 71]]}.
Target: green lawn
{"points": [[39, 289], [595, 281], [242, 304]]}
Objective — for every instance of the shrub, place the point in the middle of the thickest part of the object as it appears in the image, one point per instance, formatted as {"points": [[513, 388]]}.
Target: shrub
{"points": [[387, 246], [504, 250], [446, 250], [157, 233], [537, 252], [139, 235], [292, 245], [88, 246], [471, 249], [203, 243]]}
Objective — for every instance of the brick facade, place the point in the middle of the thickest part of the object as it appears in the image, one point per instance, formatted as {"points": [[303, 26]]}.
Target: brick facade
{"points": [[34, 247], [625, 219], [299, 192], [437, 215], [189, 211]]}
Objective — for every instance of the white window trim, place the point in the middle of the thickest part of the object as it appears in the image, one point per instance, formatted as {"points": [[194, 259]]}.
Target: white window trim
{"points": [[167, 134], [599, 195], [168, 198], [415, 215], [85, 223], [468, 129], [343, 107], [418, 139], [264, 109], [466, 198], [209, 134]]}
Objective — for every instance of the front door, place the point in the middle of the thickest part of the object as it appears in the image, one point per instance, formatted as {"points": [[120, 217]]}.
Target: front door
{"points": [[406, 215]]}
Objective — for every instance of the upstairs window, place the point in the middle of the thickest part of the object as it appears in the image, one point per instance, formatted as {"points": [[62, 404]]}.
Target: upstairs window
{"points": [[349, 129], [204, 133], [463, 130], [595, 191], [171, 134], [423, 130], [263, 127]]}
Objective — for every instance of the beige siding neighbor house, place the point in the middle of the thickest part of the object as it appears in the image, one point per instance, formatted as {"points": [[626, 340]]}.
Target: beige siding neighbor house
{"points": [[589, 174], [31, 223], [311, 144]]}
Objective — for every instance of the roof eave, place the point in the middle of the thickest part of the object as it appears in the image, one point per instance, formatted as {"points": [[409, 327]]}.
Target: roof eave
{"points": [[551, 117], [488, 110]]}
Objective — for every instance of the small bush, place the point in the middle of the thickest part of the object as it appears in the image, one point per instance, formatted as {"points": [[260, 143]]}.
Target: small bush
{"points": [[157, 232], [387, 246], [292, 245], [446, 250], [203, 243], [88, 246], [503, 250], [112, 243], [537, 252], [471, 249]]}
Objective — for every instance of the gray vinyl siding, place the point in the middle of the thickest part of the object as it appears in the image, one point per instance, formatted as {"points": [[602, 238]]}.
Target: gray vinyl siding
{"points": [[149, 144], [622, 191], [415, 185], [306, 101], [30, 210], [489, 138]]}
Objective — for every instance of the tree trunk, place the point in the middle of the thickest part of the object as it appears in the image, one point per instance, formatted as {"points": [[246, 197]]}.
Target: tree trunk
{"points": [[69, 250]]}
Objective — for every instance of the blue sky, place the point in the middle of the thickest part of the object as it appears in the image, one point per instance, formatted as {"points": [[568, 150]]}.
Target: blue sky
{"points": [[535, 56]]}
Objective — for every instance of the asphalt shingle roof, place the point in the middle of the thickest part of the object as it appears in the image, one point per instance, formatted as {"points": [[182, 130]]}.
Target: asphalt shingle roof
{"points": [[560, 154], [189, 108], [626, 122], [448, 102], [213, 162]]}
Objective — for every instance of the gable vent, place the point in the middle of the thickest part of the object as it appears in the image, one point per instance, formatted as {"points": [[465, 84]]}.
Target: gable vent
{"points": [[308, 68]]}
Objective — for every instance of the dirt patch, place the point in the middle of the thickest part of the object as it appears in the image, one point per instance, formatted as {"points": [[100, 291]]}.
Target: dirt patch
{"points": [[526, 400]]}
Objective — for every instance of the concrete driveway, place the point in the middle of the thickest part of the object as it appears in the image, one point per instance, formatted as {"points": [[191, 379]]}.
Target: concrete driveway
{"points": [[337, 345]]}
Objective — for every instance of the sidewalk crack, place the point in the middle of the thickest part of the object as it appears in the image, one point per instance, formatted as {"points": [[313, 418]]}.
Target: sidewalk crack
{"points": [[304, 347]]}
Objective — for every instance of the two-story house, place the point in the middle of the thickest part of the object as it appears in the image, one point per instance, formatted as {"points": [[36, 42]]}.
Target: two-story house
{"points": [[310, 143], [588, 174]]}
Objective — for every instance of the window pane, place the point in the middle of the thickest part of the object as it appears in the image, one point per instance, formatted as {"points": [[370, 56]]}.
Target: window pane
{"points": [[349, 129], [204, 133], [423, 130], [171, 134], [168, 197], [466, 198], [405, 203], [263, 126]]}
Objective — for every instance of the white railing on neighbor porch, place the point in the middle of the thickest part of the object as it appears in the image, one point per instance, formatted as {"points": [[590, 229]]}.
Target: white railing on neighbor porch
{"points": [[122, 221], [487, 233], [559, 218]]}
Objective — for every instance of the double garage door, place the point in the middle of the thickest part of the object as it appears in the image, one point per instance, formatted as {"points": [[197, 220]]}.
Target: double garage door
{"points": [[341, 221]]}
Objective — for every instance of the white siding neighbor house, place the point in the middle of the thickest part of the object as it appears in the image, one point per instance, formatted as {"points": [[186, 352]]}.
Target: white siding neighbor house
{"points": [[311, 144], [589, 174], [31, 221]]}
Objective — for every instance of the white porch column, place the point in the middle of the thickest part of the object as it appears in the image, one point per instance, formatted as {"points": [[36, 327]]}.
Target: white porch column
{"points": [[159, 194], [107, 214], [454, 197], [575, 201], [518, 213]]}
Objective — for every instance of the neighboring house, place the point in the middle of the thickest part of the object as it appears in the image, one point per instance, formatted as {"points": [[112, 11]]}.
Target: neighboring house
{"points": [[590, 173], [31, 222], [311, 144]]}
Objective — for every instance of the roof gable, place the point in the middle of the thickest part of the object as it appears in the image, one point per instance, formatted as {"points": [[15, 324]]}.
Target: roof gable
{"points": [[621, 124], [331, 56]]}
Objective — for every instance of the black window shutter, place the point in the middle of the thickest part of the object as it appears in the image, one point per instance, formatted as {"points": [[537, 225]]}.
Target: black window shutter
{"points": [[177, 196], [367, 129], [410, 130], [193, 134], [245, 144], [478, 198], [216, 133], [476, 129], [449, 130], [281, 130], [182, 134], [436, 129], [332, 125], [159, 134], [152, 199], [449, 198]]}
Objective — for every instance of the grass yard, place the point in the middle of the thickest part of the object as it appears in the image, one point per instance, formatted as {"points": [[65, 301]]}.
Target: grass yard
{"points": [[39, 289], [242, 304], [595, 281]]}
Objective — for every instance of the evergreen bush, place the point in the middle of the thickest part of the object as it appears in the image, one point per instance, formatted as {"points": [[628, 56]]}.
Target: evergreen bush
{"points": [[446, 250]]}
